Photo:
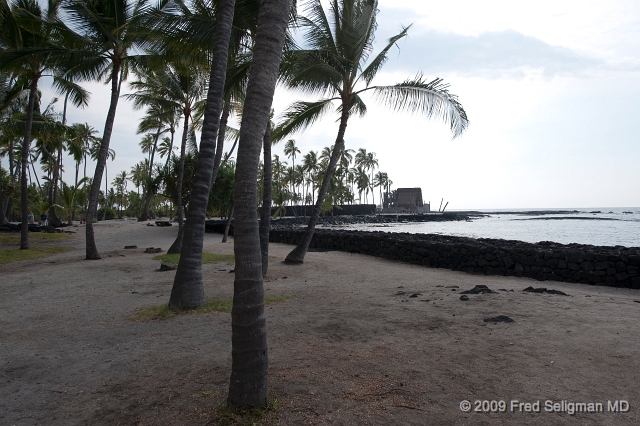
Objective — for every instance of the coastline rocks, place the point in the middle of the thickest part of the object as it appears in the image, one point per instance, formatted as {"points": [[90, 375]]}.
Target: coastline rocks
{"points": [[616, 266]]}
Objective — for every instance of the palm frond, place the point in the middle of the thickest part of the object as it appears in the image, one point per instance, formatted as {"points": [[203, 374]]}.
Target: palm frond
{"points": [[78, 95], [431, 99], [299, 116], [374, 66]]}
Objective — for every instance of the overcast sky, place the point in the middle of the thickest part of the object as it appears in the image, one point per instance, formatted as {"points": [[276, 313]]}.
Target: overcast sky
{"points": [[551, 89]]}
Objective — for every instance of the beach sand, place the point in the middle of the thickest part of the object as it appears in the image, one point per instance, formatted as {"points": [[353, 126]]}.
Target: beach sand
{"points": [[345, 349]]}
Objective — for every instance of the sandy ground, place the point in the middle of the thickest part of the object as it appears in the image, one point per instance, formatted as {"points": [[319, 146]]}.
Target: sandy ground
{"points": [[345, 349]]}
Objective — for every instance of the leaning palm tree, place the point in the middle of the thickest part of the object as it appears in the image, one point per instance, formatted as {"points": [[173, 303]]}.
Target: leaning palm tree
{"points": [[107, 35], [188, 287], [337, 62]]}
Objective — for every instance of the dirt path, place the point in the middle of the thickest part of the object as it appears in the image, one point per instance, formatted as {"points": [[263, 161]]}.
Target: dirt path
{"points": [[347, 348]]}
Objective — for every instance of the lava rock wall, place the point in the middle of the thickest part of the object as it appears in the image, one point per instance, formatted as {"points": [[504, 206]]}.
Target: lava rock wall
{"points": [[598, 265]]}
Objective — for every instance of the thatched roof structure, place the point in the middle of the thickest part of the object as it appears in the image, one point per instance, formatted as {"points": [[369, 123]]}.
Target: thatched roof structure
{"points": [[409, 197]]}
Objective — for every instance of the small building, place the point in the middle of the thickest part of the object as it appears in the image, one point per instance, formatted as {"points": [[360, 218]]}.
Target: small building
{"points": [[408, 200]]}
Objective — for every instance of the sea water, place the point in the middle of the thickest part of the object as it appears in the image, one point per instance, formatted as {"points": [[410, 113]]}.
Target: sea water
{"points": [[596, 226]]}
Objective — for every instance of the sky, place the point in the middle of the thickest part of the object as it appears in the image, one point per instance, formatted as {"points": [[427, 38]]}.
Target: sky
{"points": [[551, 90]]}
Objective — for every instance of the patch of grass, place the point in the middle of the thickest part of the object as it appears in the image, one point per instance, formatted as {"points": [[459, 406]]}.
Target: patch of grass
{"points": [[34, 237], [162, 312], [206, 258], [15, 254], [227, 416]]}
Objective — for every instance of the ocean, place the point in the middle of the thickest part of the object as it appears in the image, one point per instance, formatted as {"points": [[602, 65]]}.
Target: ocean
{"points": [[601, 226]]}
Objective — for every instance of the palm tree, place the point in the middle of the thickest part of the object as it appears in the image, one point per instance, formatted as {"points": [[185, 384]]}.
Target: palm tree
{"points": [[291, 150], [109, 32], [337, 62], [381, 180], [94, 152], [161, 116], [138, 174], [188, 288], [368, 161], [68, 199], [310, 166], [248, 383], [181, 88], [81, 137], [29, 47], [120, 182]]}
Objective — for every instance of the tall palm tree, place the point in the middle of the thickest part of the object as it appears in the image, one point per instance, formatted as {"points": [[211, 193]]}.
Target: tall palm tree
{"points": [[368, 161], [381, 180], [248, 383], [30, 47], [108, 33], [161, 116], [180, 87], [94, 152], [337, 62], [188, 287], [310, 165], [291, 150], [81, 137]]}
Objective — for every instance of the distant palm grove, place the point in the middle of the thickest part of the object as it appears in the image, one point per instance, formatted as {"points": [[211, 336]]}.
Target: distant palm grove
{"points": [[191, 67]]}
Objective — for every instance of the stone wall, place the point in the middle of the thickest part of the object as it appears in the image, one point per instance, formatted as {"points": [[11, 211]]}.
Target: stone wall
{"points": [[611, 266], [343, 210]]}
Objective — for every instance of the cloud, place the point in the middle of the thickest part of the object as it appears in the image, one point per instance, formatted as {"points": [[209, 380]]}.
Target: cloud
{"points": [[496, 54]]}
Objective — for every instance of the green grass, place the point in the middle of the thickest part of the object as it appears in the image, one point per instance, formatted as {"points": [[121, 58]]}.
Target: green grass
{"points": [[34, 237], [15, 254], [206, 258], [162, 312], [227, 416]]}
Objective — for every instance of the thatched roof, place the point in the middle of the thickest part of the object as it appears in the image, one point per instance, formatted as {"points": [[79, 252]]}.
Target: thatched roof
{"points": [[409, 197]]}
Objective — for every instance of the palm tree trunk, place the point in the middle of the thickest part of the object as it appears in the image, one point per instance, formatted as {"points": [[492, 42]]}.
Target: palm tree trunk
{"points": [[222, 129], [188, 288], [106, 190], [249, 382], [166, 164], [52, 218], [227, 226], [265, 211], [297, 254], [3, 219], [24, 193], [176, 247], [148, 196], [91, 249]]}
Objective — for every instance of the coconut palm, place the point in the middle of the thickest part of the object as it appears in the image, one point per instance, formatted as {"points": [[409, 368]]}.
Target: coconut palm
{"points": [[310, 166], [108, 34], [248, 382], [138, 174], [291, 150], [80, 139], [69, 195], [381, 180], [368, 161], [338, 62], [29, 48], [94, 152], [120, 183], [161, 116], [188, 288]]}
